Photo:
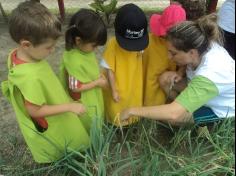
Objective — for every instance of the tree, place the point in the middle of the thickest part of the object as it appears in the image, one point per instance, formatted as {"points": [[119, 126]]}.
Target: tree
{"points": [[211, 6], [105, 8]]}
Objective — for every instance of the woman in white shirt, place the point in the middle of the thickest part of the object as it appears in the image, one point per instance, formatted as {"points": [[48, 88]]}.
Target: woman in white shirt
{"points": [[226, 22], [210, 93]]}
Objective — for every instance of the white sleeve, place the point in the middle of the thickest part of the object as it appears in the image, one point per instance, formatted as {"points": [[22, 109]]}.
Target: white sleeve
{"points": [[104, 64]]}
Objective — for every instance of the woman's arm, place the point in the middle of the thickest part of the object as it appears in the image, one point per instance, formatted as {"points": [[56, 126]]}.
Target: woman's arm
{"points": [[48, 110], [173, 113], [198, 92]]}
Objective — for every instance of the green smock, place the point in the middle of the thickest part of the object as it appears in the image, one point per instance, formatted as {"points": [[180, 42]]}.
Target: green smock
{"points": [[84, 67], [37, 83]]}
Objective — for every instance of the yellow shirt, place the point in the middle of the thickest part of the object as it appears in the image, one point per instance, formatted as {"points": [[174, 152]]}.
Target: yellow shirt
{"points": [[155, 62], [128, 71]]}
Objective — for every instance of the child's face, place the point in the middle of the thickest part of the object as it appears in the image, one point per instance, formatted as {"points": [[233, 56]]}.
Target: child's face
{"points": [[87, 47], [40, 51]]}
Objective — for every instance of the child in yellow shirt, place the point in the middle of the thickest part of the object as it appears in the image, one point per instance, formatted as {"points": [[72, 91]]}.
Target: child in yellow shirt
{"points": [[123, 56], [155, 58]]}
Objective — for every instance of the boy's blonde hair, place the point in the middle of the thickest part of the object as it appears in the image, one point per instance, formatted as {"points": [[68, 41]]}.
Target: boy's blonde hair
{"points": [[32, 21]]}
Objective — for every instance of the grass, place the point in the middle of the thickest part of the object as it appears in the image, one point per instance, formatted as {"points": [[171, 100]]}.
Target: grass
{"points": [[147, 149]]}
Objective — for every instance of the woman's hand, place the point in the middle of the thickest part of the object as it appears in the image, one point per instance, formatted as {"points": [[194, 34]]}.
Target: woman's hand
{"points": [[125, 114], [173, 77]]}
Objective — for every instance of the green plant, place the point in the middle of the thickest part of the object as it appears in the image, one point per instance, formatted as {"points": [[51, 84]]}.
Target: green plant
{"points": [[147, 148], [105, 8]]}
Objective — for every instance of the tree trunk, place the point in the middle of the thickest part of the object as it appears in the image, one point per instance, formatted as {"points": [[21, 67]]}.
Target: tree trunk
{"points": [[3, 13], [35, 1], [211, 7], [61, 9]]}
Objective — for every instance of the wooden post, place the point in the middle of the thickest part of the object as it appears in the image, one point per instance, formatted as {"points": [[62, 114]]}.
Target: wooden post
{"points": [[3, 13], [211, 7], [61, 9]]}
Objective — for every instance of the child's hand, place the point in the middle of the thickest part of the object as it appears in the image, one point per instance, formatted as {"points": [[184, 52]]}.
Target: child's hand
{"points": [[77, 108], [102, 81], [116, 96]]}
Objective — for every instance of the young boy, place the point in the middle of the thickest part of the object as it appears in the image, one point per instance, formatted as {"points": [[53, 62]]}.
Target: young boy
{"points": [[155, 58], [123, 56], [46, 115]]}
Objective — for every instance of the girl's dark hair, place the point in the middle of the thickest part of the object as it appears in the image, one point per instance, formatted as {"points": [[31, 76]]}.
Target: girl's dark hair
{"points": [[87, 25], [196, 34]]}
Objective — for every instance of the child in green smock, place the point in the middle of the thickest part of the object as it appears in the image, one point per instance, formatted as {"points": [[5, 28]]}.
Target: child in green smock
{"points": [[46, 115], [80, 71]]}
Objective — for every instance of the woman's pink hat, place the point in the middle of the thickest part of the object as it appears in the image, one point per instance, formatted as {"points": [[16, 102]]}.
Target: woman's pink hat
{"points": [[173, 14]]}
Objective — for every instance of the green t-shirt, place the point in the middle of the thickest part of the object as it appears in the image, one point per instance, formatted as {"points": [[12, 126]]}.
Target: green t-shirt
{"points": [[198, 92]]}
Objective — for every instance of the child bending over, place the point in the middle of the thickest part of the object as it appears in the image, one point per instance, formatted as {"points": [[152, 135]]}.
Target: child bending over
{"points": [[47, 117]]}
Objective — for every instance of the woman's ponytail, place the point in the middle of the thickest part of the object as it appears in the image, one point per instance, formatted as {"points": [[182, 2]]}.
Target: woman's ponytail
{"points": [[197, 34], [208, 26]]}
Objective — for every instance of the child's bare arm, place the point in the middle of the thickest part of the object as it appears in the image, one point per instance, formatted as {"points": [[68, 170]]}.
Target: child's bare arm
{"points": [[100, 82], [48, 110], [111, 78]]}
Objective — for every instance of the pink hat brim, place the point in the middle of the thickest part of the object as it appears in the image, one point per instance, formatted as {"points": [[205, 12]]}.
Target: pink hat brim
{"points": [[156, 27]]}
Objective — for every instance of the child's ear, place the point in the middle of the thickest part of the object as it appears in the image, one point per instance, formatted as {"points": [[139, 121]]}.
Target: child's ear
{"points": [[78, 41], [25, 44]]}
